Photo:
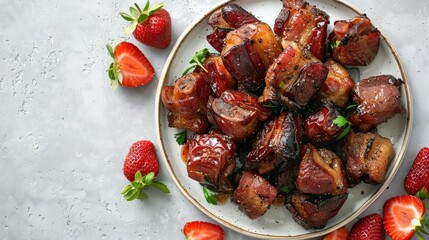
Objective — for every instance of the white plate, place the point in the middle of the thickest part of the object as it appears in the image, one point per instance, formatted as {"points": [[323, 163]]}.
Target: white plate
{"points": [[278, 222]]}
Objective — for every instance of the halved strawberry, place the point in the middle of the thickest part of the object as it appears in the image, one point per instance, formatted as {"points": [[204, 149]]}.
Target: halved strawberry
{"points": [[130, 67], [369, 227], [198, 230], [339, 234], [417, 179], [403, 216]]}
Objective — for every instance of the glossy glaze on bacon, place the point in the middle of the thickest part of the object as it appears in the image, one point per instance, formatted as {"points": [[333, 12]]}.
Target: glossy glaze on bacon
{"points": [[314, 211], [304, 24], [254, 195], [354, 42], [338, 84], [187, 103], [248, 52], [378, 100], [218, 77], [294, 78], [279, 140], [320, 127], [211, 160], [320, 172], [367, 156], [238, 114]]}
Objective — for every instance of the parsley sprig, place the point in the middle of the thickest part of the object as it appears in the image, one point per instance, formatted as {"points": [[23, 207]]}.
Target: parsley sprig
{"points": [[181, 137], [210, 197], [197, 60], [341, 121]]}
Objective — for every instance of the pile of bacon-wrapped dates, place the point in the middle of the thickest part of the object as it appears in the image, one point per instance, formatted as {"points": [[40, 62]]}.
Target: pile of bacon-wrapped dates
{"points": [[297, 70]]}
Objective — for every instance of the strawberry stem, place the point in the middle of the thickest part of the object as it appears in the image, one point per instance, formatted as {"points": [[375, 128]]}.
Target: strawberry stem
{"points": [[134, 190], [423, 194]]}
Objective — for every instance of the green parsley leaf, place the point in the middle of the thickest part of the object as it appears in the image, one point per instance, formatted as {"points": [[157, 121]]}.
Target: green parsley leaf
{"points": [[275, 108], [197, 60], [181, 137], [210, 197], [340, 121], [285, 189]]}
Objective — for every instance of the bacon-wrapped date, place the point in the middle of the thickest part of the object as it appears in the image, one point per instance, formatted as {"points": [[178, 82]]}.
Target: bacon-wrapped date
{"points": [[248, 52], [187, 102], [378, 100], [320, 172], [320, 127], [278, 141], [367, 157], [224, 20], [238, 114], [254, 194], [294, 78], [314, 211], [304, 24], [211, 160], [354, 42], [219, 78], [338, 84]]}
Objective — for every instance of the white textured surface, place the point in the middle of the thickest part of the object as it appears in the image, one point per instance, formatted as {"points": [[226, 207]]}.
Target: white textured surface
{"points": [[64, 132]]}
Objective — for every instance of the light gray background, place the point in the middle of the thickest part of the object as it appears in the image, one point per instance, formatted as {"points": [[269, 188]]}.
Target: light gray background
{"points": [[64, 133]]}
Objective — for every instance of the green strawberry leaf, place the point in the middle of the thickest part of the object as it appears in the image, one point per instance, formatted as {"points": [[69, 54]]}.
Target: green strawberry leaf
{"points": [[161, 186], [135, 12], [142, 195], [146, 6], [126, 16], [130, 28], [210, 197], [142, 18], [126, 189], [181, 137], [155, 7], [110, 50]]}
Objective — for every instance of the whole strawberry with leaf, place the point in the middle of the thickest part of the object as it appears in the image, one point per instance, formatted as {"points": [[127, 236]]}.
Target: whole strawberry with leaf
{"points": [[417, 180], [150, 25], [141, 168]]}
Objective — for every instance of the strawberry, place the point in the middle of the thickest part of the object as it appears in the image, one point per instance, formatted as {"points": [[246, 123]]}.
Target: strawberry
{"points": [[403, 216], [150, 26], [130, 67], [141, 167], [369, 227], [339, 234], [197, 230], [417, 179]]}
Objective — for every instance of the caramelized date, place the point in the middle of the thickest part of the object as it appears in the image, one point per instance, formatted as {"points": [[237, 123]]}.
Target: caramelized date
{"points": [[237, 114], [320, 172], [320, 127], [236, 16], [211, 160], [354, 42], [248, 52], [314, 211], [303, 24], [294, 78], [254, 194], [378, 100], [278, 141], [219, 78], [217, 38], [187, 102], [338, 84], [367, 156]]}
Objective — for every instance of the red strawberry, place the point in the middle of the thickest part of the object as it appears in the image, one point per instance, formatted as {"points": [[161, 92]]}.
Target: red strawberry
{"points": [[418, 175], [150, 26], [130, 67], [369, 227], [403, 217], [141, 167], [198, 230], [339, 234]]}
